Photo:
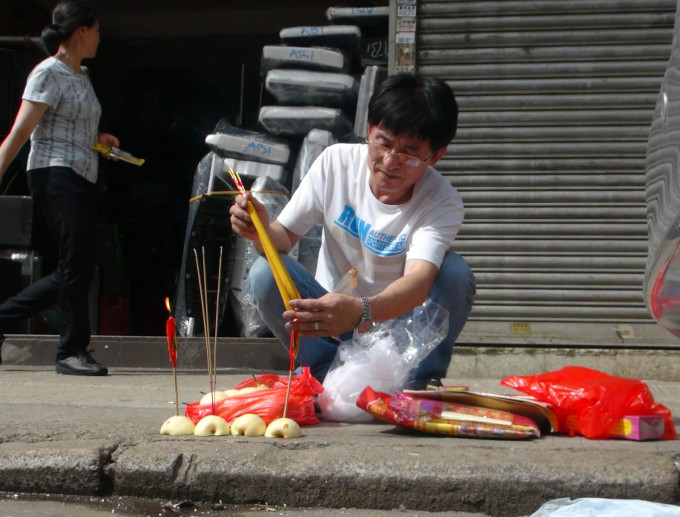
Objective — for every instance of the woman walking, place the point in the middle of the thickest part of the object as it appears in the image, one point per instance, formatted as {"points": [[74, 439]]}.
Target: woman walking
{"points": [[60, 113]]}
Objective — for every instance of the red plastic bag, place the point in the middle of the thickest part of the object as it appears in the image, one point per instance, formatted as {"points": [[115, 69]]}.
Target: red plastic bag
{"points": [[267, 403], [590, 402]]}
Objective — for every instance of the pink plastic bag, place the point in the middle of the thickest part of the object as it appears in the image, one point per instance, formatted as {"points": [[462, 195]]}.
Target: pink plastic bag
{"points": [[590, 402]]}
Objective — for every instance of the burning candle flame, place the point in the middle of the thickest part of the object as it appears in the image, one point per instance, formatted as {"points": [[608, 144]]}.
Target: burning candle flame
{"points": [[167, 304]]}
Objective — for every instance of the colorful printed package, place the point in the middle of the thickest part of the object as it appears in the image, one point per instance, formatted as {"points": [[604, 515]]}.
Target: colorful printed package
{"points": [[439, 417]]}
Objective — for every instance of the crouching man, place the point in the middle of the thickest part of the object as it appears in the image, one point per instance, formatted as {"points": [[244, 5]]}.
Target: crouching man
{"points": [[386, 212]]}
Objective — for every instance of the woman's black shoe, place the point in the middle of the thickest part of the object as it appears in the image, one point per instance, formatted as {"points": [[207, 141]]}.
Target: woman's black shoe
{"points": [[81, 364]]}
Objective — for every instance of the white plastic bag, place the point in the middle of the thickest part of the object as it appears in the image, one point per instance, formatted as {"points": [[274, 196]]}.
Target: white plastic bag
{"points": [[381, 358], [597, 507]]}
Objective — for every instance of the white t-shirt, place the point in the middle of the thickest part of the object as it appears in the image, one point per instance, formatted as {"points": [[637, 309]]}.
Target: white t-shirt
{"points": [[66, 131], [361, 232]]}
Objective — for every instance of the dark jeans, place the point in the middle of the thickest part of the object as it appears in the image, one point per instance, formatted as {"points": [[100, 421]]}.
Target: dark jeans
{"points": [[67, 202], [453, 288]]}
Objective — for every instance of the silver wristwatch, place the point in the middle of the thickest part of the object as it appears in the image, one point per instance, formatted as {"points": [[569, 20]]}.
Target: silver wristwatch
{"points": [[366, 321]]}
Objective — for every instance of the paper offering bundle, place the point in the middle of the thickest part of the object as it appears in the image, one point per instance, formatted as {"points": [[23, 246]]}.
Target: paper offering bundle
{"points": [[449, 418], [117, 154], [538, 412]]}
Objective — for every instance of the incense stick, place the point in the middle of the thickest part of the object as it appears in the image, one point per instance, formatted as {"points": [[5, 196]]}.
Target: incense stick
{"points": [[174, 373], [285, 405], [217, 313], [200, 275], [206, 320]]}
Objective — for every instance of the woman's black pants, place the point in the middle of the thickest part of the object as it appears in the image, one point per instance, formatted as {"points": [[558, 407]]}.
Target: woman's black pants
{"points": [[68, 203]]}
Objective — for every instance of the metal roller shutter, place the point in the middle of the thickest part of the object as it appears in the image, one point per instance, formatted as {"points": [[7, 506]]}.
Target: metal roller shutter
{"points": [[556, 101]]}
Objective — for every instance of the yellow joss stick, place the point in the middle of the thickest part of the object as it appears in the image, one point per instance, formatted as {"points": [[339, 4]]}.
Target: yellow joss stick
{"points": [[283, 280]]}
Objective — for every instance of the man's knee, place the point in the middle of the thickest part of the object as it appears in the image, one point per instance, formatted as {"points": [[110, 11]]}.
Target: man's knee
{"points": [[261, 280], [455, 282]]}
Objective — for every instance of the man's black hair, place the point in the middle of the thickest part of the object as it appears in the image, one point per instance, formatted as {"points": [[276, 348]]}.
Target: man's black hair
{"points": [[417, 105]]}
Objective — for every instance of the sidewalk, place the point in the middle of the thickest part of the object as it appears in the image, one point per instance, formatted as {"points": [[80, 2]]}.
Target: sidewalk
{"points": [[79, 435]]}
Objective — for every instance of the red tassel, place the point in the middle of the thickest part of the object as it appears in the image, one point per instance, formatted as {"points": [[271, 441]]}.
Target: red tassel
{"points": [[293, 346]]}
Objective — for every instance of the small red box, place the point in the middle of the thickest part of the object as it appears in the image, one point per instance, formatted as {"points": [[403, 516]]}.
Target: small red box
{"points": [[638, 428]]}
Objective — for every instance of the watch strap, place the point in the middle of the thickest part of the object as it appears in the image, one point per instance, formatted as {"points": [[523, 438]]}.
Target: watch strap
{"points": [[366, 321]]}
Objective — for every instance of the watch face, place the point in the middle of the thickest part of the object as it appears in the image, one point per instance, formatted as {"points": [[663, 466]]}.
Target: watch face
{"points": [[364, 326]]}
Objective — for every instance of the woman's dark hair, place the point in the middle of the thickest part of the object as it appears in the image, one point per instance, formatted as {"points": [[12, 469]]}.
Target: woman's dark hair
{"points": [[417, 105], [67, 16]]}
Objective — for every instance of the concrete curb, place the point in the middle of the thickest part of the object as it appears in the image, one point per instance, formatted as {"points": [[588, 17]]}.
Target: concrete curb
{"points": [[399, 470], [510, 481], [67, 467]]}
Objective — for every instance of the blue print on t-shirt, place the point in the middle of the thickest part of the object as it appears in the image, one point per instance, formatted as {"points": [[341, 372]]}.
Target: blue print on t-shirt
{"points": [[377, 242]]}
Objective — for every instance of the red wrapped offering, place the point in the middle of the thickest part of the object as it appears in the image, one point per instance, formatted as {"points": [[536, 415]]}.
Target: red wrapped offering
{"points": [[267, 403], [439, 417]]}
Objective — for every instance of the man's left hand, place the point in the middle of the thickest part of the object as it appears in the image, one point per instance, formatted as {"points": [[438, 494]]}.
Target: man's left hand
{"points": [[331, 315]]}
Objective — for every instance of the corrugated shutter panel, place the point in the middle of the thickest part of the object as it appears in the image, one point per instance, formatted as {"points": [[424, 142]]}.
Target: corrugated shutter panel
{"points": [[556, 100]]}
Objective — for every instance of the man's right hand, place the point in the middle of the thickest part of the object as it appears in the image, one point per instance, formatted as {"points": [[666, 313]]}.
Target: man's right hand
{"points": [[282, 239], [240, 219]]}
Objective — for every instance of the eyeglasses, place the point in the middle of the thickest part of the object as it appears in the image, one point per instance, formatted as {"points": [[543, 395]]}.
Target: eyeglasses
{"points": [[403, 158]]}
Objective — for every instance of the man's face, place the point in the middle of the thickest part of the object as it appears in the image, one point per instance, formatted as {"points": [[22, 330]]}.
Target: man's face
{"points": [[396, 163]]}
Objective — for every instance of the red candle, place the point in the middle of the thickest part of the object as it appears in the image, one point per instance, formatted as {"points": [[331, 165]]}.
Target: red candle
{"points": [[171, 334]]}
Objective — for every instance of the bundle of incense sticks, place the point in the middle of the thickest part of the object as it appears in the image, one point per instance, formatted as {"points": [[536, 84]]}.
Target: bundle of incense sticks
{"points": [[211, 355], [283, 280]]}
